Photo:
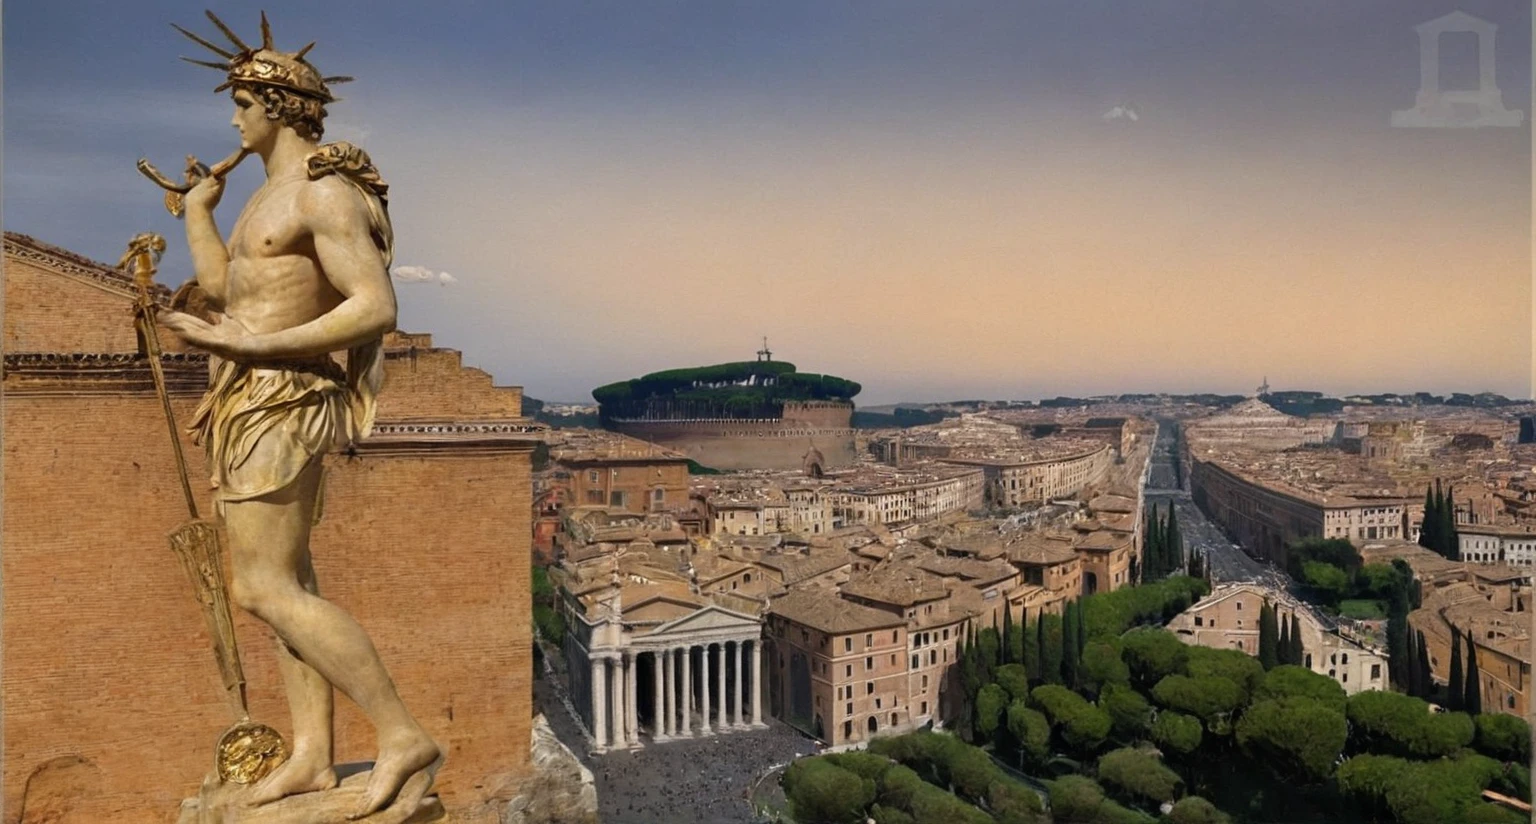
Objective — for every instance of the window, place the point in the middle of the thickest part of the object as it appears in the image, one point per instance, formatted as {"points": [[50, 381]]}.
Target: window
{"points": [[925, 704], [869, 640], [869, 664], [1346, 677], [917, 661], [895, 635], [869, 688], [1199, 622], [925, 682], [933, 656], [818, 702], [946, 633], [594, 477], [1239, 606], [850, 710], [877, 703], [1345, 659], [850, 671], [893, 659], [847, 645], [1375, 672]]}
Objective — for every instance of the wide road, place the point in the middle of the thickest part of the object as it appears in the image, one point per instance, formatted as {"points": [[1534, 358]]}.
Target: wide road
{"points": [[1228, 562]]}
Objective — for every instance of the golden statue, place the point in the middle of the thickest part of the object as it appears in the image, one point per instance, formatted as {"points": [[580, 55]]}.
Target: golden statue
{"points": [[305, 273]]}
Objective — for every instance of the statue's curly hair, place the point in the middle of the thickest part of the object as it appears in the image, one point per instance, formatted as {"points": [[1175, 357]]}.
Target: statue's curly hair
{"points": [[305, 114]]}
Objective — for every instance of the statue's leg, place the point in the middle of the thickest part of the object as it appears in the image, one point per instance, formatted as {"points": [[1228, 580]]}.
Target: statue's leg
{"points": [[269, 542]]}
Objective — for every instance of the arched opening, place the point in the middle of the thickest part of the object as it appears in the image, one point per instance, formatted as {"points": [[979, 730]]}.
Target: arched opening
{"points": [[874, 726], [1090, 583], [818, 730], [847, 730]]}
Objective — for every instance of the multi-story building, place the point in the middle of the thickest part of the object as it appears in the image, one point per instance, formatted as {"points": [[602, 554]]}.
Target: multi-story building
{"points": [[837, 670], [619, 472], [875, 495], [1267, 514], [1497, 544], [1228, 618], [1022, 477], [1052, 574]]}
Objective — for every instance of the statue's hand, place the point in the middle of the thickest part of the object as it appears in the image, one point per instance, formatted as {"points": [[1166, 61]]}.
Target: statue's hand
{"points": [[205, 194], [228, 338]]}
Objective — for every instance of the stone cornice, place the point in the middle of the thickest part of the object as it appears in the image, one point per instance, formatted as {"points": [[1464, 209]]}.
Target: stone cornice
{"points": [[30, 249], [31, 374]]}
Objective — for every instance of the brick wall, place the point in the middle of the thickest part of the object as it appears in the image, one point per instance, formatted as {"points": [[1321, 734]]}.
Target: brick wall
{"points": [[434, 384], [105, 655]]}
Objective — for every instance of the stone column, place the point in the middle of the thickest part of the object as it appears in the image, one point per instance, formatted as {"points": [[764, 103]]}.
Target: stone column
{"points": [[686, 718], [670, 674], [720, 682], [599, 703], [704, 689], [739, 718], [658, 711], [618, 735], [757, 684], [632, 697]]}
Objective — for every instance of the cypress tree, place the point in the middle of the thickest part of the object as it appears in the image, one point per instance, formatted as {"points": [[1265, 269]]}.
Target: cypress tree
{"points": [[1016, 648], [1398, 640], [1450, 535], [1040, 651], [1029, 640], [1457, 691], [1082, 633], [1425, 677], [1283, 652], [1429, 511], [1269, 638], [1050, 655], [1411, 685], [1007, 645], [1472, 702], [1175, 542], [1069, 656], [1298, 651]]}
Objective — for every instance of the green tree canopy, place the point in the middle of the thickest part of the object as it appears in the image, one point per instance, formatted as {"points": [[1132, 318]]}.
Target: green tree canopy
{"points": [[1300, 682], [1502, 736], [1299, 738], [1196, 810], [1102, 665], [1177, 733], [1129, 712], [1234, 665], [1032, 732], [821, 792], [1153, 654], [1139, 775], [1208, 698], [1391, 723]]}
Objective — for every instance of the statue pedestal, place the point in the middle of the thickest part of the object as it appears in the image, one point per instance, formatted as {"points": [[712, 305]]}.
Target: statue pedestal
{"points": [[220, 803]]}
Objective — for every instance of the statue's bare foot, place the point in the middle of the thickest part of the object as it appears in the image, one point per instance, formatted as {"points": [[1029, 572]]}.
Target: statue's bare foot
{"points": [[300, 774], [401, 758]]}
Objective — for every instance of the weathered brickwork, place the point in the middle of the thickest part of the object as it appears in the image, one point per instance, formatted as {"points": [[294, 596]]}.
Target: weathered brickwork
{"points": [[105, 654], [433, 384]]}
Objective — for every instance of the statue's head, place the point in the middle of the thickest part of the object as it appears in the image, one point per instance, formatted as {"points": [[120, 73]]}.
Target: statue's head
{"points": [[280, 87]]}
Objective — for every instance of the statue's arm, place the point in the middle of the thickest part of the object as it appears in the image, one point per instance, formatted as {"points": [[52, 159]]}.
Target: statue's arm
{"points": [[338, 222], [210, 257]]}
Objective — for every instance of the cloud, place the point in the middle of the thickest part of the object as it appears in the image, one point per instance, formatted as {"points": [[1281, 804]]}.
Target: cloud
{"points": [[421, 274]]}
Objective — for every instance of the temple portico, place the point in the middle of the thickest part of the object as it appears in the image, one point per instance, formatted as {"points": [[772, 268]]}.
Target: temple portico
{"points": [[666, 667]]}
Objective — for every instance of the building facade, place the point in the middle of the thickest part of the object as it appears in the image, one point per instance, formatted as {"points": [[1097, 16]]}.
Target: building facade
{"points": [[1228, 618]]}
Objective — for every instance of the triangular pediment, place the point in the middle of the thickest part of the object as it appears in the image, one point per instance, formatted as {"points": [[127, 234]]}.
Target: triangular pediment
{"points": [[709, 618], [659, 608]]}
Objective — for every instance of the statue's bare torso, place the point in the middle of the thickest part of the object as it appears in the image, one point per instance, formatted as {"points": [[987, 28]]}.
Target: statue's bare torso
{"points": [[275, 280]]}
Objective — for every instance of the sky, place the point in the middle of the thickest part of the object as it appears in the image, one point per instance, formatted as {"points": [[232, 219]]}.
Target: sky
{"points": [[927, 198]]}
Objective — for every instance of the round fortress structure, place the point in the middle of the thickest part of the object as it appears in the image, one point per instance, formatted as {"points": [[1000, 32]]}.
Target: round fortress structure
{"points": [[750, 415]]}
